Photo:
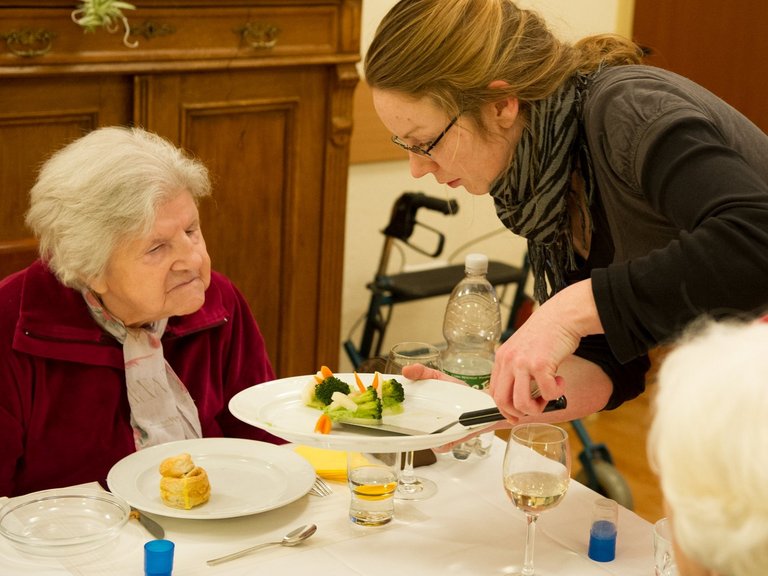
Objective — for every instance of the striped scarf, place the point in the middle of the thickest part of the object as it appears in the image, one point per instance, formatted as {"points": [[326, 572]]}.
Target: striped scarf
{"points": [[531, 197]]}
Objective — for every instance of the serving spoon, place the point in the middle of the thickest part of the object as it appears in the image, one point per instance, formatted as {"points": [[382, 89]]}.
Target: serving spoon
{"points": [[293, 537]]}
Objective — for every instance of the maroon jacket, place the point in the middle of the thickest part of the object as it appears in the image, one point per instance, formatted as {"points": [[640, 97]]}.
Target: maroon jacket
{"points": [[64, 414]]}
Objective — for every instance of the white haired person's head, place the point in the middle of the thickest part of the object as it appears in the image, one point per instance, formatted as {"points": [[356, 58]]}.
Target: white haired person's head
{"points": [[709, 445], [101, 189]]}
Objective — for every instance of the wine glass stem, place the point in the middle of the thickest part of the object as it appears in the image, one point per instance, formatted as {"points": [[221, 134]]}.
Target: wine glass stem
{"points": [[529, 539], [407, 475]]}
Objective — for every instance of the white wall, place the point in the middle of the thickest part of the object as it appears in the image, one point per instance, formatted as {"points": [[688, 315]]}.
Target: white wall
{"points": [[373, 188]]}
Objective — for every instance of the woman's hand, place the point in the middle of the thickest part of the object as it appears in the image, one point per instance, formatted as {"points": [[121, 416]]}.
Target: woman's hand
{"points": [[532, 356], [421, 372], [500, 425]]}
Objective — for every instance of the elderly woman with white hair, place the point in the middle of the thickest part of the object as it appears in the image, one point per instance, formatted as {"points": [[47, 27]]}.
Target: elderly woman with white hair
{"points": [[120, 336], [709, 445]]}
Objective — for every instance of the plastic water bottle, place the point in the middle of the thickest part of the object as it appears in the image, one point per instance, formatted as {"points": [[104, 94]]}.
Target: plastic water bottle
{"points": [[472, 328]]}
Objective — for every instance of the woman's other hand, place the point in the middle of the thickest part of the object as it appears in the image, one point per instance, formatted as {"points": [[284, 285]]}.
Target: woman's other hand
{"points": [[500, 425], [532, 356], [421, 372]]}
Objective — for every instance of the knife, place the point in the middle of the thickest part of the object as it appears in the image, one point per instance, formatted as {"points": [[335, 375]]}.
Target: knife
{"points": [[486, 415], [471, 418], [151, 526]]}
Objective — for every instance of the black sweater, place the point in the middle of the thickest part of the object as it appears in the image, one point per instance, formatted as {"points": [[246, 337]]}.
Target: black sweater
{"points": [[680, 218]]}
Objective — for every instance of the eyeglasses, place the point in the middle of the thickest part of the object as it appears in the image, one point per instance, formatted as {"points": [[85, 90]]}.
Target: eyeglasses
{"points": [[424, 151]]}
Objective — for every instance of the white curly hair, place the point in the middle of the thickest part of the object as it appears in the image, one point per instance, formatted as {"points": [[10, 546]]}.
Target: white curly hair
{"points": [[709, 444], [101, 189]]}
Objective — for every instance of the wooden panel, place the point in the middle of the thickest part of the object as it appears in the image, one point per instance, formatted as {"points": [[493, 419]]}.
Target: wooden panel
{"points": [[242, 222], [16, 254], [37, 118], [258, 134], [371, 142], [714, 44], [331, 272]]}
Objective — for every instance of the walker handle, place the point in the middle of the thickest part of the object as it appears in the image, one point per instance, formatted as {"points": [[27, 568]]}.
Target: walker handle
{"points": [[403, 217]]}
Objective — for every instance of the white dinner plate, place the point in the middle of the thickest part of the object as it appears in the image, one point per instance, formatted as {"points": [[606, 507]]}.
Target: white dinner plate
{"points": [[278, 408], [246, 477]]}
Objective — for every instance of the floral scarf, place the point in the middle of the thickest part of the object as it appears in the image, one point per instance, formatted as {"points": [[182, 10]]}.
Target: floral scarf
{"points": [[161, 408], [531, 197]]}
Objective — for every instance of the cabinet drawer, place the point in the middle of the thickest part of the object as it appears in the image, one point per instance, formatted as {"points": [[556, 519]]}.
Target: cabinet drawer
{"points": [[49, 36]]}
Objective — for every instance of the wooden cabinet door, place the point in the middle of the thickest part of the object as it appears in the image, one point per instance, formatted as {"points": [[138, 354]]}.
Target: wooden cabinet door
{"points": [[37, 117], [262, 135]]}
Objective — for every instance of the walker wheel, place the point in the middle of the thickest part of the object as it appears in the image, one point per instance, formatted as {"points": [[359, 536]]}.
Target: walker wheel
{"points": [[611, 483]]}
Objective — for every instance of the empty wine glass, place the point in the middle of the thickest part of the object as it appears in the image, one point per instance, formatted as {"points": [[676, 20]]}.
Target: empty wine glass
{"points": [[536, 473], [410, 486]]}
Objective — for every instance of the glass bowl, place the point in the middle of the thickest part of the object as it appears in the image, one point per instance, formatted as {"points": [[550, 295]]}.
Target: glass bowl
{"points": [[63, 522]]}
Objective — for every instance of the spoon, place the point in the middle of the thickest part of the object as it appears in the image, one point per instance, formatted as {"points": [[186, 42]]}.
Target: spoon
{"points": [[291, 539]]}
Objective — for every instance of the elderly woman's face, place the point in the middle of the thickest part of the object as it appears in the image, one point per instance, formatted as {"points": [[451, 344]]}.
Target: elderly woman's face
{"points": [[161, 274]]}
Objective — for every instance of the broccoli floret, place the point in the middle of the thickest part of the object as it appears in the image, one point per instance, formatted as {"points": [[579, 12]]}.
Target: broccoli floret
{"points": [[368, 411], [369, 395], [392, 396], [392, 390], [325, 389]]}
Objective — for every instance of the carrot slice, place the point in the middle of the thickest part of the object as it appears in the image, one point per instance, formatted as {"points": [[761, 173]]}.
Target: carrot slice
{"points": [[325, 371], [318, 379], [323, 424], [375, 383], [360, 384]]}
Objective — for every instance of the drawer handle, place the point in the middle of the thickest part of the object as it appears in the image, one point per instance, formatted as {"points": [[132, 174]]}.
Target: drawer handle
{"points": [[29, 43], [151, 30], [260, 36]]}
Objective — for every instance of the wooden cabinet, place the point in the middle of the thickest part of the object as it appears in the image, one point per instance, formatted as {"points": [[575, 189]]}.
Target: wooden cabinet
{"points": [[261, 91]]}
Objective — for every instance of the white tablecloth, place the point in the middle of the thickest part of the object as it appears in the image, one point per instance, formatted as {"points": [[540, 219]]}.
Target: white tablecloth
{"points": [[469, 528]]}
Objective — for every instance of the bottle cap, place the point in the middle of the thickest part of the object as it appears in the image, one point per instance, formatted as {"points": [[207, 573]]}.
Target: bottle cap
{"points": [[158, 558], [476, 263], [602, 533]]}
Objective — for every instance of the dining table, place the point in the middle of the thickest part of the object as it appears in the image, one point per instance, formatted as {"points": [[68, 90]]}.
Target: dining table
{"points": [[470, 527]]}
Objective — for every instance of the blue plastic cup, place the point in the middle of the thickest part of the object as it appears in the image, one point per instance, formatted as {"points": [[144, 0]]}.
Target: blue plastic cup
{"points": [[158, 558], [602, 534]]}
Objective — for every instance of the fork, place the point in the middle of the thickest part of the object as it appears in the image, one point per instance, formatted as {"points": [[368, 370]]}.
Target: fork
{"points": [[321, 488]]}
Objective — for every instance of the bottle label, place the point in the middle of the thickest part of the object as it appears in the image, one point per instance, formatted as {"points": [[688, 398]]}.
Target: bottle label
{"points": [[479, 381]]}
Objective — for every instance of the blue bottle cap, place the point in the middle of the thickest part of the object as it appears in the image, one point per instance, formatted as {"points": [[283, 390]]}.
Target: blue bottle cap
{"points": [[158, 558], [602, 541]]}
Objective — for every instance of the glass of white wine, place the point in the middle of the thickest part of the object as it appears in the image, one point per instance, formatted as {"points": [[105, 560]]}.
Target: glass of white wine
{"points": [[537, 470], [410, 486]]}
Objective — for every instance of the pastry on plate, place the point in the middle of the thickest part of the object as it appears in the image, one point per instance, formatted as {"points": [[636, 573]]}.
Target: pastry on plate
{"points": [[182, 484]]}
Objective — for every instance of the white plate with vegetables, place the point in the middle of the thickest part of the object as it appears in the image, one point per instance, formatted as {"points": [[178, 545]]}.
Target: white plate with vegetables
{"points": [[280, 407]]}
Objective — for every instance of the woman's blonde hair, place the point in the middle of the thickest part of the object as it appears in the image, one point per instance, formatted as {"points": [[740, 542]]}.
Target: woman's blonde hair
{"points": [[101, 189], [451, 50], [708, 444]]}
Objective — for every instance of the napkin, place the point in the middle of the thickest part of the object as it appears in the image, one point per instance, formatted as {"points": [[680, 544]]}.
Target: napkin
{"points": [[329, 464]]}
